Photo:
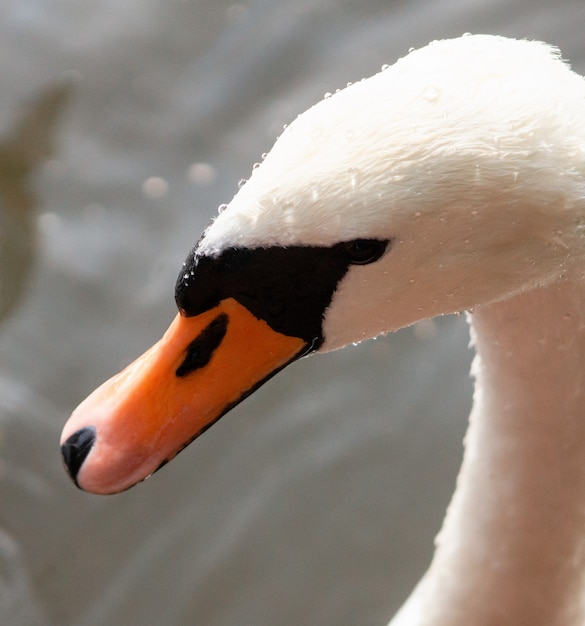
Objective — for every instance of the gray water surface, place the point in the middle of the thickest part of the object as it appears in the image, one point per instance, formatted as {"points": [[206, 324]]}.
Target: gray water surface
{"points": [[123, 126]]}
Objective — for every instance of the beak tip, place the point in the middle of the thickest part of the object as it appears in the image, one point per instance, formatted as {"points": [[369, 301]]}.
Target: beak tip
{"points": [[75, 450]]}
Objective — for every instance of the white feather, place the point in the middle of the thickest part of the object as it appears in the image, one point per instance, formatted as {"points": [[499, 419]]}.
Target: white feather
{"points": [[470, 155], [432, 133]]}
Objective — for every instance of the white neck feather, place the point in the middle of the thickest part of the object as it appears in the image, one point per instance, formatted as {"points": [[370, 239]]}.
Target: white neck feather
{"points": [[512, 548]]}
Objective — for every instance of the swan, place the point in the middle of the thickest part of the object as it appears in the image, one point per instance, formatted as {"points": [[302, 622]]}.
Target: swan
{"points": [[453, 180]]}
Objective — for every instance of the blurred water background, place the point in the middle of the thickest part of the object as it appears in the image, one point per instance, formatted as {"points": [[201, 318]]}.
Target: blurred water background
{"points": [[123, 125]]}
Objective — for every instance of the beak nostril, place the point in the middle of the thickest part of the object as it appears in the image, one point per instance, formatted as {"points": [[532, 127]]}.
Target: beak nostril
{"points": [[76, 448]]}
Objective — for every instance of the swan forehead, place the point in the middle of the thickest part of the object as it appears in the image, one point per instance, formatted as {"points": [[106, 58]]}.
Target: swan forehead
{"points": [[363, 160]]}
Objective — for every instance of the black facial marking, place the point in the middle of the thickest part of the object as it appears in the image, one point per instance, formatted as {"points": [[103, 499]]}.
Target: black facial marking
{"points": [[289, 288], [201, 349]]}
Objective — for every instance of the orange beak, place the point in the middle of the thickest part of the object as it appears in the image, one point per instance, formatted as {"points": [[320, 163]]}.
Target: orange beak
{"points": [[142, 417]]}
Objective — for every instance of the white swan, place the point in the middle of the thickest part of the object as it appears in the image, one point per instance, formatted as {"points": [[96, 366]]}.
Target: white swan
{"points": [[454, 180]]}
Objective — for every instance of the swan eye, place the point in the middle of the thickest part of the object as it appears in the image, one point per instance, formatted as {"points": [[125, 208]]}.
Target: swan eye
{"points": [[364, 251]]}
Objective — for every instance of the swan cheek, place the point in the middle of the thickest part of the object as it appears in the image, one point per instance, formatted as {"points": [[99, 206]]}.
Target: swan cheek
{"points": [[142, 417]]}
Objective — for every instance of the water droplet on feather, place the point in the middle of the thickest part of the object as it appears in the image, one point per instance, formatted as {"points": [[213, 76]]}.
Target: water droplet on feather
{"points": [[431, 94]]}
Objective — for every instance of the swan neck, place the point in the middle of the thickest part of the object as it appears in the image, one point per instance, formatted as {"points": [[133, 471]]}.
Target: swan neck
{"points": [[512, 548]]}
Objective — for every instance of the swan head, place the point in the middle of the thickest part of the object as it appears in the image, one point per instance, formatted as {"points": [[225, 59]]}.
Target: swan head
{"points": [[452, 179], [467, 155]]}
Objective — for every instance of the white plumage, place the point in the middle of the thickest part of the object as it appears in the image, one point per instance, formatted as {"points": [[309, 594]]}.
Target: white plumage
{"points": [[412, 139], [470, 155], [466, 160]]}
